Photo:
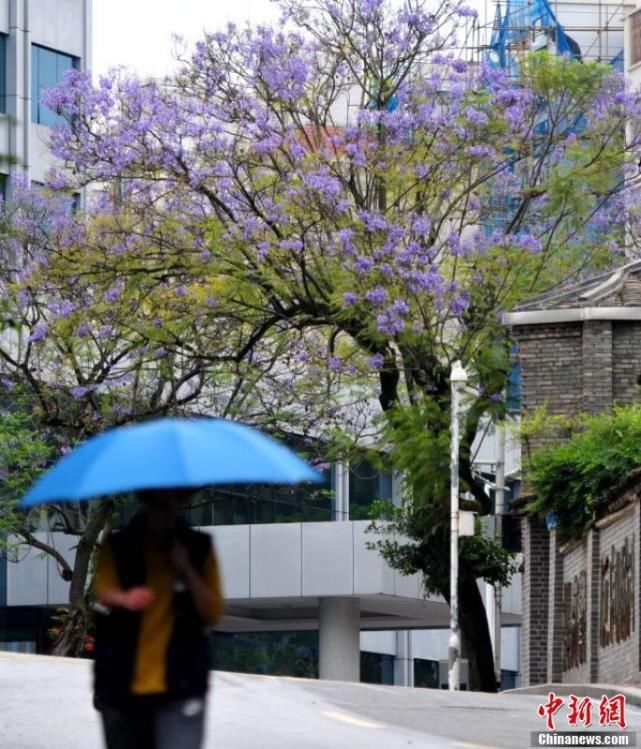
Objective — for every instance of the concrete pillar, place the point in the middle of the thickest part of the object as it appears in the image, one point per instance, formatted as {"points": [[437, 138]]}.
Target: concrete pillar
{"points": [[404, 662], [339, 651]]}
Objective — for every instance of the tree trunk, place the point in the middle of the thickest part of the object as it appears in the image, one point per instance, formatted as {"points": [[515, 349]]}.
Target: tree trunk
{"points": [[72, 637], [475, 634]]}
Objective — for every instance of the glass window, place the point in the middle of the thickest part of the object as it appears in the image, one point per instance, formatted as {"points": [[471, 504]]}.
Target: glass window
{"points": [[47, 69], [377, 668], [271, 653], [426, 673], [3, 73], [366, 485]]}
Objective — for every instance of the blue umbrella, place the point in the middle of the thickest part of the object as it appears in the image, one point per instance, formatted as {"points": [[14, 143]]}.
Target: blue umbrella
{"points": [[169, 453]]}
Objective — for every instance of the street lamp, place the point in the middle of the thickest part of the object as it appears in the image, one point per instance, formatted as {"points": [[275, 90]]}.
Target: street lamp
{"points": [[458, 381]]}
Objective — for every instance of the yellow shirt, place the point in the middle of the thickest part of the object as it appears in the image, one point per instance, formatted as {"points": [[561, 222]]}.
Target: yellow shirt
{"points": [[157, 619]]}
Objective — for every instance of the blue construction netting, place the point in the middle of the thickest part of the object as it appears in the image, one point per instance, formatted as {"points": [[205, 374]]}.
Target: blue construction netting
{"points": [[520, 19]]}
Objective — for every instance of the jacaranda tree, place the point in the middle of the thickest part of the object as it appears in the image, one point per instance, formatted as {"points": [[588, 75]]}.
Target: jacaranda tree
{"points": [[367, 201]]}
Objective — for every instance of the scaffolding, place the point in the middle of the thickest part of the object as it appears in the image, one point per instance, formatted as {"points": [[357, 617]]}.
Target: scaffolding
{"points": [[590, 30]]}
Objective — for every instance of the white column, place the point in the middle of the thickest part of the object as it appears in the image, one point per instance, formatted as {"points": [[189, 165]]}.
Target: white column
{"points": [[341, 492], [404, 663], [339, 652], [18, 87]]}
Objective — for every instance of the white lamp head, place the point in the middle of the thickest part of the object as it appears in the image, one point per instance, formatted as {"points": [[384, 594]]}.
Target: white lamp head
{"points": [[458, 376]]}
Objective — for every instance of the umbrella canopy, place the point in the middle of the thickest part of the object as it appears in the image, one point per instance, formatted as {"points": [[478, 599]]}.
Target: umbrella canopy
{"points": [[169, 453]]}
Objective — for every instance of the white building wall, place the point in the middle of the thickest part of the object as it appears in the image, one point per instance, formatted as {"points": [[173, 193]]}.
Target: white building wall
{"points": [[61, 25]]}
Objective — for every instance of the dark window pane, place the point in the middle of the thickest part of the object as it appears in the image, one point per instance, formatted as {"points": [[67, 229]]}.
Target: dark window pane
{"points": [[426, 673], [272, 653], [377, 668], [366, 485], [47, 69], [3, 73]]}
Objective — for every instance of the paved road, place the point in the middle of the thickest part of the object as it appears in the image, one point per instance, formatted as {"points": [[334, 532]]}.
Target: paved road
{"points": [[45, 704]]}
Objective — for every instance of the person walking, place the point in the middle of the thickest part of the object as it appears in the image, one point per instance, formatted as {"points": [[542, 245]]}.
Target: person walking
{"points": [[157, 591]]}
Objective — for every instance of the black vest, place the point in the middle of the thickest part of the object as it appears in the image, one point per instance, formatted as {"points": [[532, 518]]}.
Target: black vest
{"points": [[117, 631]]}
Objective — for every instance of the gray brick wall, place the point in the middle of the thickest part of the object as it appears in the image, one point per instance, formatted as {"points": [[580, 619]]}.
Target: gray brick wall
{"points": [[619, 662], [573, 563], [549, 355], [626, 361], [597, 365]]}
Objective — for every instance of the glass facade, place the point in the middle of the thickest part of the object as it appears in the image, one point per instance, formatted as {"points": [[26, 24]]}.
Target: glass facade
{"points": [[367, 485], [249, 504], [47, 69], [426, 673], [3, 72], [377, 668], [270, 653]]}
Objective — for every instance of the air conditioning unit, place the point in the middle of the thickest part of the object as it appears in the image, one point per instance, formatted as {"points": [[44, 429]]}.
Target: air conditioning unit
{"points": [[464, 673]]}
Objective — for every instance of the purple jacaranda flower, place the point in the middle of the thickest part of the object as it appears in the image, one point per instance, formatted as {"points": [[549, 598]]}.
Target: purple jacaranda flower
{"points": [[84, 330], [7, 383], [181, 291], [389, 324], [205, 255], [106, 331], [39, 333], [373, 221], [376, 296], [465, 11], [334, 364], [350, 298], [81, 390], [363, 264], [67, 308], [421, 226], [400, 307], [157, 322], [113, 294], [377, 361]]}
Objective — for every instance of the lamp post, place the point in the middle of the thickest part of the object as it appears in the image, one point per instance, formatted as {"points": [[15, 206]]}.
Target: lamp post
{"points": [[458, 380]]}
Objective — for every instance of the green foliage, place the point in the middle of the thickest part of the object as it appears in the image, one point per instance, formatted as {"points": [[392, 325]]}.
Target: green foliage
{"points": [[571, 478], [425, 548], [24, 453], [418, 440]]}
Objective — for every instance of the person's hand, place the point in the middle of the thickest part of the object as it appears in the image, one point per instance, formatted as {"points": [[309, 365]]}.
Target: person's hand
{"points": [[136, 599], [179, 558]]}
